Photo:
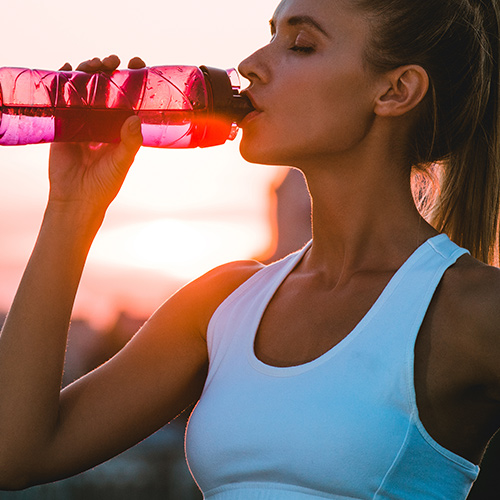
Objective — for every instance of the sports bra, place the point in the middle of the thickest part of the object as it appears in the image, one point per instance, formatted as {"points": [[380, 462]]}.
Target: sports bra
{"points": [[343, 426]]}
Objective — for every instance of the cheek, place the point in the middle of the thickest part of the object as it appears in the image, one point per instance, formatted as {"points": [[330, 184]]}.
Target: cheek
{"points": [[310, 120], [344, 112], [325, 126]]}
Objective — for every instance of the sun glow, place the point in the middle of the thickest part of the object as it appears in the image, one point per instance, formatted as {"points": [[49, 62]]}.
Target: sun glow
{"points": [[182, 249]]}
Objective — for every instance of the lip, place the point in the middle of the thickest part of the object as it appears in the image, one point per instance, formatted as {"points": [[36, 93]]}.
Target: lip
{"points": [[249, 118], [253, 114], [250, 97]]}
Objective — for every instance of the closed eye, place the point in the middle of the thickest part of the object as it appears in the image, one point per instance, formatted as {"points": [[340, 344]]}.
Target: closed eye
{"points": [[301, 49]]}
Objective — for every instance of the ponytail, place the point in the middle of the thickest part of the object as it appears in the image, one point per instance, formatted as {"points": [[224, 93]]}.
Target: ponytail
{"points": [[456, 144], [468, 203]]}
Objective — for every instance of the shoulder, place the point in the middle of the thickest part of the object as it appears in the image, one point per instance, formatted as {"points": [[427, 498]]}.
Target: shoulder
{"points": [[231, 275], [469, 299], [220, 282], [472, 289], [198, 300]]}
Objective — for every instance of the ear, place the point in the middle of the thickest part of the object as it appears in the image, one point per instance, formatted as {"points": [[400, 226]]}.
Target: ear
{"points": [[403, 89]]}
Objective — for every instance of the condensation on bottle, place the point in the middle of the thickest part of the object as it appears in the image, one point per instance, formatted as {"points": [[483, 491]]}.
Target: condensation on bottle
{"points": [[179, 106]]}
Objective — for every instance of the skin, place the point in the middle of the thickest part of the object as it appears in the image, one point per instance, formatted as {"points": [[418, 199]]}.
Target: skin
{"points": [[349, 136]]}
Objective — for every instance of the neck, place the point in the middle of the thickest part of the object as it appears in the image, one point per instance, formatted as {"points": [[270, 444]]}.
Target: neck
{"points": [[364, 217]]}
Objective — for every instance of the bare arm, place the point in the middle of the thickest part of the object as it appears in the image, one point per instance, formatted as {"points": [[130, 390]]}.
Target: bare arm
{"points": [[46, 434], [485, 302], [32, 342], [470, 353]]}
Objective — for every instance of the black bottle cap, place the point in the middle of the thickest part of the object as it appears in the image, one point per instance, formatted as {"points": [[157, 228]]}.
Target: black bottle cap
{"points": [[226, 101]]}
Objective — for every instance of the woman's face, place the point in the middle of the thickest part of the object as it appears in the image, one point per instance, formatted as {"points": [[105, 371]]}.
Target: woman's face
{"points": [[312, 89]]}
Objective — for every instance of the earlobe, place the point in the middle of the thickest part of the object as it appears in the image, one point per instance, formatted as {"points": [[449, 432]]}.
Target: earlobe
{"points": [[405, 88]]}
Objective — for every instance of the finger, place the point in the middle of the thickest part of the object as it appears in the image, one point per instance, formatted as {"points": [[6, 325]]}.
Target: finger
{"points": [[90, 66], [111, 62], [136, 63], [66, 67], [131, 141]]}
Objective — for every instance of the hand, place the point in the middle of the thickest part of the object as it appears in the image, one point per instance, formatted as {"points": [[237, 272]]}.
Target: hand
{"points": [[108, 64], [92, 174]]}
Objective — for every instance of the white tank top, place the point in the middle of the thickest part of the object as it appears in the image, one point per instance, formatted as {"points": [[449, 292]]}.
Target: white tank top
{"points": [[343, 426]]}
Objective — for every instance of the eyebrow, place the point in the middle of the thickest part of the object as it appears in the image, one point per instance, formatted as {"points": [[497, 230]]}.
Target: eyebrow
{"points": [[301, 20]]}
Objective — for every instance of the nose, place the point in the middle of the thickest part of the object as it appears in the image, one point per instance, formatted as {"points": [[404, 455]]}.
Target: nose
{"points": [[255, 68]]}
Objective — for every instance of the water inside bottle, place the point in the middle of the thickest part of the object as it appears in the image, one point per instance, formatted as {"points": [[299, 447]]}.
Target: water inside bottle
{"points": [[160, 128]]}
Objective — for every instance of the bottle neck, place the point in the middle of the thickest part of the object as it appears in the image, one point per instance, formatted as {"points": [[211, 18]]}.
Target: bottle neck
{"points": [[225, 99]]}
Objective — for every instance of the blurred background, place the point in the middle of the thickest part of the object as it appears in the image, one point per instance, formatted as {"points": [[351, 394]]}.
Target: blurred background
{"points": [[180, 212]]}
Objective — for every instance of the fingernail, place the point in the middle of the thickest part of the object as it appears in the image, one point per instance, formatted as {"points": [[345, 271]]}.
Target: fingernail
{"points": [[135, 125]]}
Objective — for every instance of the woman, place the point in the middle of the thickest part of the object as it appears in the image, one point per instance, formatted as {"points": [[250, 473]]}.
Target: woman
{"points": [[310, 377]]}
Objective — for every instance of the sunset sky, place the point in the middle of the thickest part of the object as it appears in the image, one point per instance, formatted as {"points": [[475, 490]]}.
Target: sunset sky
{"points": [[180, 212]]}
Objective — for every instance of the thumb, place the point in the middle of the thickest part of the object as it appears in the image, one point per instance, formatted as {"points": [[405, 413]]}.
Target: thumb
{"points": [[131, 141]]}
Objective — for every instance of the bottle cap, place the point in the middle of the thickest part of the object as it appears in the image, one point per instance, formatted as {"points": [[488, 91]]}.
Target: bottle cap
{"points": [[225, 102]]}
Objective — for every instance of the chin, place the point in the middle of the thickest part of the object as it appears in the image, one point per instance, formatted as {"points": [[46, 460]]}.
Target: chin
{"points": [[261, 158], [256, 152]]}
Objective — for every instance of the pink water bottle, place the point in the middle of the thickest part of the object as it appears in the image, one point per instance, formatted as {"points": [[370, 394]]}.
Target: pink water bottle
{"points": [[179, 106]]}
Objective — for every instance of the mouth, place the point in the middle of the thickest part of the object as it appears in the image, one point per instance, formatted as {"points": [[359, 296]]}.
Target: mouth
{"points": [[253, 114], [249, 96]]}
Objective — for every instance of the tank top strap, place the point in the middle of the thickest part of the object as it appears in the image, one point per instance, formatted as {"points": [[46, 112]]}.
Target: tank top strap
{"points": [[230, 324], [392, 325], [414, 285], [442, 253], [406, 298]]}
